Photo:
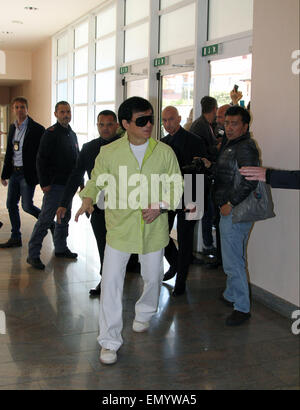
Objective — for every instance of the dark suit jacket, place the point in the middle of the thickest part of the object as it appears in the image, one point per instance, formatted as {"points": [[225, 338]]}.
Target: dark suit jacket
{"points": [[31, 144], [85, 163], [186, 146]]}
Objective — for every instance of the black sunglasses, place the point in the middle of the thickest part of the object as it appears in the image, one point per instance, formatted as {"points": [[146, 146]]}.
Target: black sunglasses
{"points": [[142, 121]]}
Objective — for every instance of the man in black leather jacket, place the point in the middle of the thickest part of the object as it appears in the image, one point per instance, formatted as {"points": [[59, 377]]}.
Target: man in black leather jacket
{"points": [[240, 150], [56, 158]]}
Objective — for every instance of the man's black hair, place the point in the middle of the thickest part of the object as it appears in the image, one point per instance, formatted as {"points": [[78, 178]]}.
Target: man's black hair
{"points": [[208, 104], [242, 112], [107, 113], [60, 103], [131, 106]]}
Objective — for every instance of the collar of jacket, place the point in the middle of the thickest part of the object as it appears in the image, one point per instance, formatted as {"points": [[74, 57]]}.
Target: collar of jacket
{"points": [[64, 129], [177, 134], [241, 138], [103, 141], [151, 146]]}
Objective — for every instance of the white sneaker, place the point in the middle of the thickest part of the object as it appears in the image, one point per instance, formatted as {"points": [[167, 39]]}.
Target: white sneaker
{"points": [[108, 356], [140, 327]]}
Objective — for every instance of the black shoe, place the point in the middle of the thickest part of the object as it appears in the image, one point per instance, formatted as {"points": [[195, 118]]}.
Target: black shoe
{"points": [[226, 302], [178, 291], [209, 251], [1, 224], [237, 318], [96, 291], [67, 254], [214, 263], [12, 243], [169, 274], [35, 263]]}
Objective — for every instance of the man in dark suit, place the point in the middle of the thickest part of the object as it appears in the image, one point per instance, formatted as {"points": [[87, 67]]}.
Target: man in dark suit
{"points": [[20, 168], [186, 146], [107, 127]]}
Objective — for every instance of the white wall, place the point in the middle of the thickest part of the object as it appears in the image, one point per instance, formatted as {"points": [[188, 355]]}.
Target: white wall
{"points": [[38, 90], [17, 65], [273, 252]]}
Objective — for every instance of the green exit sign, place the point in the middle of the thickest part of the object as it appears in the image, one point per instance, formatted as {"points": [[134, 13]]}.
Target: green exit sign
{"points": [[161, 61], [211, 50], [124, 70]]}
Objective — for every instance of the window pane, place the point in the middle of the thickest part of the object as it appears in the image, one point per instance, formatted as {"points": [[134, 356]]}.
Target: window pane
{"points": [[137, 88], [178, 91], [136, 42], [62, 68], [62, 91], [106, 22], [81, 61], [80, 119], [62, 45], [168, 3], [106, 53], [136, 10], [80, 90], [229, 17], [81, 34], [102, 107], [105, 86], [177, 29]]}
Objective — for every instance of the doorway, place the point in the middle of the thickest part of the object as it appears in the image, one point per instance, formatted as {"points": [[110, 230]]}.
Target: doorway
{"points": [[177, 90], [225, 73]]}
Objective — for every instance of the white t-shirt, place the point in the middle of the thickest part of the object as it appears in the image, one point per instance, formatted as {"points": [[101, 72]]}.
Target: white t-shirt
{"points": [[139, 151]]}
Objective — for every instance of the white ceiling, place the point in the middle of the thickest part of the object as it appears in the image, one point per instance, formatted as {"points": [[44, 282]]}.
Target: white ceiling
{"points": [[37, 26]]}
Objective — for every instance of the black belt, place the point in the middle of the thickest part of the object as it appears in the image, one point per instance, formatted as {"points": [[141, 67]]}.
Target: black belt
{"points": [[18, 168]]}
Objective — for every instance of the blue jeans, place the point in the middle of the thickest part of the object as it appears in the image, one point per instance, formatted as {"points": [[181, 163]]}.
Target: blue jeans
{"points": [[18, 188], [51, 202], [234, 239]]}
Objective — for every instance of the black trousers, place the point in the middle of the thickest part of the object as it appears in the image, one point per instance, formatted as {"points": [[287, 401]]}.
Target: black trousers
{"points": [[99, 229], [180, 259]]}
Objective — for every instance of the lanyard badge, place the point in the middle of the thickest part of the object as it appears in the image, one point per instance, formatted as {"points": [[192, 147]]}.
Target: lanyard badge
{"points": [[16, 145]]}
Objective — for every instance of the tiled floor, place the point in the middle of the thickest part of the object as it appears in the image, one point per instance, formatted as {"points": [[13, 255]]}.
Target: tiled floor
{"points": [[52, 325]]}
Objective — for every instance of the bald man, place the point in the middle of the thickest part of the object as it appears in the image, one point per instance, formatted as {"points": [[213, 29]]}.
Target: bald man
{"points": [[186, 146]]}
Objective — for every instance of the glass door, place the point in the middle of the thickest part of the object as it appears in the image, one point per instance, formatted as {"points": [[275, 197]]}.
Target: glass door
{"points": [[229, 72], [137, 88], [177, 91]]}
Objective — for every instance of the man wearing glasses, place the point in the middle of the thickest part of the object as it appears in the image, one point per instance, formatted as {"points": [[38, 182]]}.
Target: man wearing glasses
{"points": [[136, 217]]}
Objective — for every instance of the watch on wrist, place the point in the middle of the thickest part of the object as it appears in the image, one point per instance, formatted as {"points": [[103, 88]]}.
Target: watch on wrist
{"points": [[162, 208]]}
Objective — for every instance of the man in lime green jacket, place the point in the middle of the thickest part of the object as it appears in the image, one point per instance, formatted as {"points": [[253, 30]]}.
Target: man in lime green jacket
{"points": [[141, 179]]}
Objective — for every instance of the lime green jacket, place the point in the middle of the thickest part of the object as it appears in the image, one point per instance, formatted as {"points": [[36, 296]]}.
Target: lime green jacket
{"points": [[129, 189]]}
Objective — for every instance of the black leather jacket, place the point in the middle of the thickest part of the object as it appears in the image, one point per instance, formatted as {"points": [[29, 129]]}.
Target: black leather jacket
{"points": [[229, 185]]}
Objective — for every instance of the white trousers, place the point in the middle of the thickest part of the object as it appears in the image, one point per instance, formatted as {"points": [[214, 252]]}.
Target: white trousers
{"points": [[112, 282]]}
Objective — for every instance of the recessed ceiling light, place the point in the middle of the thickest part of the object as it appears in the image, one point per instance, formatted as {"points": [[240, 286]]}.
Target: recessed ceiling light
{"points": [[7, 33], [17, 22], [30, 8]]}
